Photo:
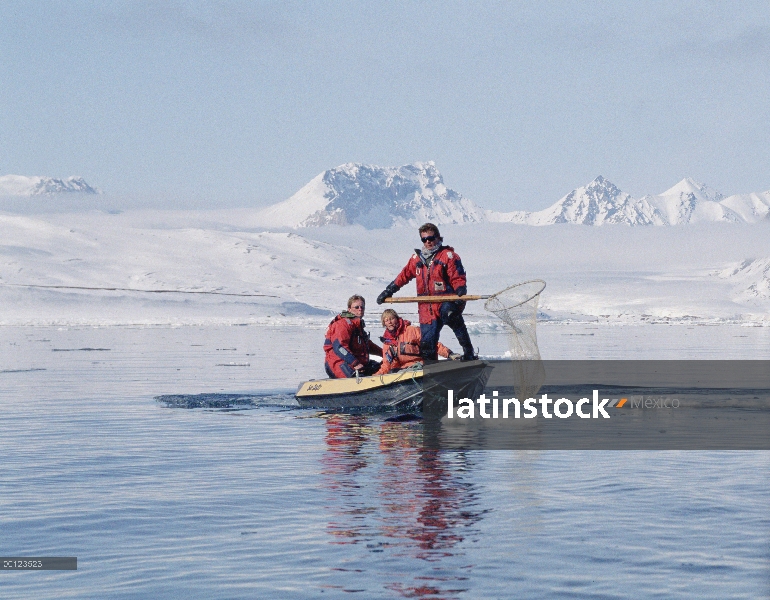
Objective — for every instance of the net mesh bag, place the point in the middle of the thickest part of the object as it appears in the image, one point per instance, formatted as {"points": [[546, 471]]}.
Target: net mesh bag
{"points": [[516, 306]]}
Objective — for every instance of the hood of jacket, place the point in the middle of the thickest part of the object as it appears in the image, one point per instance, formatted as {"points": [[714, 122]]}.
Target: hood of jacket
{"points": [[392, 337], [426, 257]]}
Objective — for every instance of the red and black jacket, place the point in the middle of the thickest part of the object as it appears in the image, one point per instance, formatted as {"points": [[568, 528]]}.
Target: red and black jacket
{"points": [[347, 345], [444, 276]]}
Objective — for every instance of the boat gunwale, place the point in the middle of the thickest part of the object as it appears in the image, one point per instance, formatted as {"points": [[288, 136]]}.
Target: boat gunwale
{"points": [[411, 376]]}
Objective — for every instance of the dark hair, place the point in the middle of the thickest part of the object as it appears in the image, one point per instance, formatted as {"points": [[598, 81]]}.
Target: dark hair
{"points": [[429, 227], [355, 297]]}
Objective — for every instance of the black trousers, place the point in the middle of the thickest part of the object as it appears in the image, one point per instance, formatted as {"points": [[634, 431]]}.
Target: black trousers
{"points": [[369, 368], [451, 315]]}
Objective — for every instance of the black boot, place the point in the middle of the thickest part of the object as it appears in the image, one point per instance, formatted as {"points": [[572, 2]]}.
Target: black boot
{"points": [[428, 350], [461, 332]]}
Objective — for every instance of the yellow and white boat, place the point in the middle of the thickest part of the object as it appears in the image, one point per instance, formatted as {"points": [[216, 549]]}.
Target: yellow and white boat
{"points": [[394, 389], [403, 389]]}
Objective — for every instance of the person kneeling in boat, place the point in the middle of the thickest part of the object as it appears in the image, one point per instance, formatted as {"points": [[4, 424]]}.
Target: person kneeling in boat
{"points": [[347, 344], [401, 344]]}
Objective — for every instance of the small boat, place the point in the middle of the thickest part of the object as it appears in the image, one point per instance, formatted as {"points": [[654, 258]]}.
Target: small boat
{"points": [[400, 390]]}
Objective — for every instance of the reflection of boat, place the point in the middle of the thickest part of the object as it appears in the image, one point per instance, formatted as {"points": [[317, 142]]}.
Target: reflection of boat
{"points": [[395, 390]]}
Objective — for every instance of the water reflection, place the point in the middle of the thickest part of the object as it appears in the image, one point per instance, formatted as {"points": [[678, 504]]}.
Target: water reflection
{"points": [[400, 502]]}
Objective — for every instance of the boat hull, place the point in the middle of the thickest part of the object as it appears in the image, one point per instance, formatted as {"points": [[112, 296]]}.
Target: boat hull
{"points": [[401, 390], [381, 391]]}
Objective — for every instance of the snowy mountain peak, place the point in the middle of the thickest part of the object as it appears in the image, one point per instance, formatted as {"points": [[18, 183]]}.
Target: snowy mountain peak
{"points": [[699, 191], [689, 201], [601, 202], [382, 197], [20, 185], [597, 203], [375, 197], [601, 183], [599, 190]]}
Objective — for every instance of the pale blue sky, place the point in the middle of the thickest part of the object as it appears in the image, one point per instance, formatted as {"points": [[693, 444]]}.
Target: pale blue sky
{"points": [[241, 103]]}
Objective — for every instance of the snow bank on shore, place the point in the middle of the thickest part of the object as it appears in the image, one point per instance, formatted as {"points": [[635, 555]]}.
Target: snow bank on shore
{"points": [[232, 274]]}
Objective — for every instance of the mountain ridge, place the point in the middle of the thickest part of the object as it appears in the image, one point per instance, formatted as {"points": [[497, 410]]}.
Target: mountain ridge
{"points": [[383, 197], [601, 202], [22, 185], [374, 197]]}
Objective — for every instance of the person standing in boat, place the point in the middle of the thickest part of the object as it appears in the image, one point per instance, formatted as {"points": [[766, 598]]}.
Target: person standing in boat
{"points": [[401, 344], [439, 272], [347, 344]]}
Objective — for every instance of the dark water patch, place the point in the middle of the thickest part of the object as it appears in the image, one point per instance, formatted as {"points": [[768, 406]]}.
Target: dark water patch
{"points": [[284, 400], [705, 568], [227, 401], [404, 418], [80, 349]]}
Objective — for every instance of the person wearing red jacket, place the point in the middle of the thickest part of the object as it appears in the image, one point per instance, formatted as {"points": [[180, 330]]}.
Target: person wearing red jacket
{"points": [[347, 344], [439, 272], [401, 344]]}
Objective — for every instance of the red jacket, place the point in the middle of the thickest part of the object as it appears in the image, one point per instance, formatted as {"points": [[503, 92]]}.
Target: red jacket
{"points": [[443, 277], [401, 348], [347, 345]]}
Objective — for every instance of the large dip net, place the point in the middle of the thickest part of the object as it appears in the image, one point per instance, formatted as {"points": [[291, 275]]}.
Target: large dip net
{"points": [[516, 306]]}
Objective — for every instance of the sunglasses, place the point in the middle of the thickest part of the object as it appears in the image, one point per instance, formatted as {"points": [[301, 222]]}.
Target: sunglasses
{"points": [[429, 238], [357, 306]]}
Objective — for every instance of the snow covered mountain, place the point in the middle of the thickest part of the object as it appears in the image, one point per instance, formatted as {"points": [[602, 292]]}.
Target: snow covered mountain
{"points": [[19, 185], [601, 202], [751, 208], [597, 203], [690, 202], [374, 197], [383, 197], [752, 277]]}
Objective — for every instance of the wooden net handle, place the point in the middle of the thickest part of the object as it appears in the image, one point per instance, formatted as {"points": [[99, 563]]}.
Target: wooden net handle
{"points": [[451, 298]]}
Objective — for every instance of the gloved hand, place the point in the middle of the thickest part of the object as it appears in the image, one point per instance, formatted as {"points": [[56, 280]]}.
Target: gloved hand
{"points": [[461, 291], [387, 292], [455, 356]]}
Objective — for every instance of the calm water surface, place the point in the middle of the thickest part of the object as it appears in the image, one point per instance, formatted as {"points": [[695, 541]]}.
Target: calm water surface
{"points": [[274, 501]]}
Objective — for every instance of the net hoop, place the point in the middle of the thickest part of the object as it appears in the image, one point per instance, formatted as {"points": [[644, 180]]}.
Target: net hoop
{"points": [[516, 307], [537, 285]]}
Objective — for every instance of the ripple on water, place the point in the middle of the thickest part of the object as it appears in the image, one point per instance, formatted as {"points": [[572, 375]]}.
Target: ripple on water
{"points": [[254, 498]]}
